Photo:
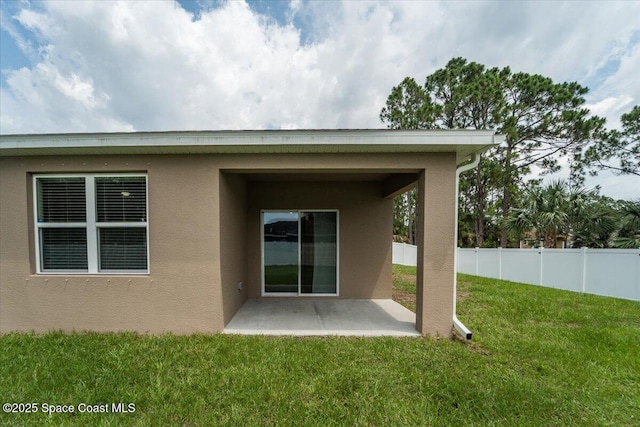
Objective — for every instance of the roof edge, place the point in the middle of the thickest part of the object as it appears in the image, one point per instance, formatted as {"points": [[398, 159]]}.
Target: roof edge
{"points": [[247, 132], [462, 142]]}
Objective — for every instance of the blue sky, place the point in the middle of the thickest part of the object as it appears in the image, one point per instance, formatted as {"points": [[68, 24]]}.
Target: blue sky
{"points": [[274, 9], [11, 55], [85, 66]]}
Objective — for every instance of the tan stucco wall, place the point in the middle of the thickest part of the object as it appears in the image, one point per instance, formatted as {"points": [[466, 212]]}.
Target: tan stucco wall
{"points": [[204, 219], [365, 230], [233, 243], [181, 293], [436, 246]]}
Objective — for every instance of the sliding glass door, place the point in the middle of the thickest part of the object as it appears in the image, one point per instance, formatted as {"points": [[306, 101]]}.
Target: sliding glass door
{"points": [[300, 252]]}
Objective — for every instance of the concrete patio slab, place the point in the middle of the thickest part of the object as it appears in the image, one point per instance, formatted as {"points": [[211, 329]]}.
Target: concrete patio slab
{"points": [[323, 317]]}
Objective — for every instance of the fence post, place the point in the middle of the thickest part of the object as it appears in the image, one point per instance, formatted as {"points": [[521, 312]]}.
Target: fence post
{"points": [[541, 265], [500, 263], [638, 279], [476, 261], [584, 270]]}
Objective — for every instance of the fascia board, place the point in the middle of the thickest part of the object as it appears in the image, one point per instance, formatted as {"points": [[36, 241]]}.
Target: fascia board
{"points": [[463, 142]]}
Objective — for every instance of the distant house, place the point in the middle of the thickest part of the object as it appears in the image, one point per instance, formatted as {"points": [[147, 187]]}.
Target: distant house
{"points": [[531, 240], [174, 231]]}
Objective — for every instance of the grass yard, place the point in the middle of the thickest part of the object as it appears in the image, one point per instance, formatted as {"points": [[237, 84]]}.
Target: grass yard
{"points": [[540, 357]]}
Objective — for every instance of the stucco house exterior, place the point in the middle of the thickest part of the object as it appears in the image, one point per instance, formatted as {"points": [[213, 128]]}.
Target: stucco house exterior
{"points": [[174, 231]]}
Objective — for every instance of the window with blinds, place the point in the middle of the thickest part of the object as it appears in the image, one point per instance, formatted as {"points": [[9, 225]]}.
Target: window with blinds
{"points": [[64, 248], [123, 248], [121, 199], [61, 200], [91, 223]]}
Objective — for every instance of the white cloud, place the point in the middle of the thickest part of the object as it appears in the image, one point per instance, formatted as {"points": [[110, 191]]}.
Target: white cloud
{"points": [[612, 108], [124, 66], [152, 66], [620, 91], [37, 22], [616, 186]]}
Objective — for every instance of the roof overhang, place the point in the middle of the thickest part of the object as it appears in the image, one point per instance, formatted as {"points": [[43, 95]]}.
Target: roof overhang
{"points": [[462, 142]]}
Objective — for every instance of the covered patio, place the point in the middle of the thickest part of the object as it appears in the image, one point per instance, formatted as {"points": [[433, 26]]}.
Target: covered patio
{"points": [[317, 213], [340, 317]]}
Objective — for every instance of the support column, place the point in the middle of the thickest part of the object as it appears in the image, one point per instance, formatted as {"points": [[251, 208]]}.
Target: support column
{"points": [[436, 246]]}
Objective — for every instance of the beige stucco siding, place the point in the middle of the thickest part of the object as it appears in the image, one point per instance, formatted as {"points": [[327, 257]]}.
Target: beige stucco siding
{"points": [[233, 243], [181, 293], [436, 246]]}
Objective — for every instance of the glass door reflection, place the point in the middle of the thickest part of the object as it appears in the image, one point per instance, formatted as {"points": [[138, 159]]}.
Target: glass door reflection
{"points": [[280, 251], [318, 252]]}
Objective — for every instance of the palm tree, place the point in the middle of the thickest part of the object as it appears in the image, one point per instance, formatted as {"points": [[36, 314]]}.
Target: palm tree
{"points": [[585, 217], [628, 236], [595, 226], [545, 211]]}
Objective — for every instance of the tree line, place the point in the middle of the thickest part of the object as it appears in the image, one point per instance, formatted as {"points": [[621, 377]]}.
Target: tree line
{"points": [[544, 123]]}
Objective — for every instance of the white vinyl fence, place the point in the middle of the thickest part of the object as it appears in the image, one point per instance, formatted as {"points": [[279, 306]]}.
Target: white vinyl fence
{"points": [[609, 272], [405, 254]]}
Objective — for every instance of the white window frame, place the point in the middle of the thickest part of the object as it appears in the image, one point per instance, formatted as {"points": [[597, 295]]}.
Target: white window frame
{"points": [[299, 293], [91, 225]]}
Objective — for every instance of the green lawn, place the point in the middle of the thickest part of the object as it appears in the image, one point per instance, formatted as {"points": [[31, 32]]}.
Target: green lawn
{"points": [[540, 357]]}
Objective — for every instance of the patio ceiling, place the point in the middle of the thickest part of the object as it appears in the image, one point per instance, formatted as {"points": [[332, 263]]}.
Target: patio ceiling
{"points": [[392, 183], [317, 176]]}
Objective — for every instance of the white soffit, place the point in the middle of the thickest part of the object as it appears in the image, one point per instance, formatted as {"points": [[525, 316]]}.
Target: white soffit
{"points": [[462, 142]]}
